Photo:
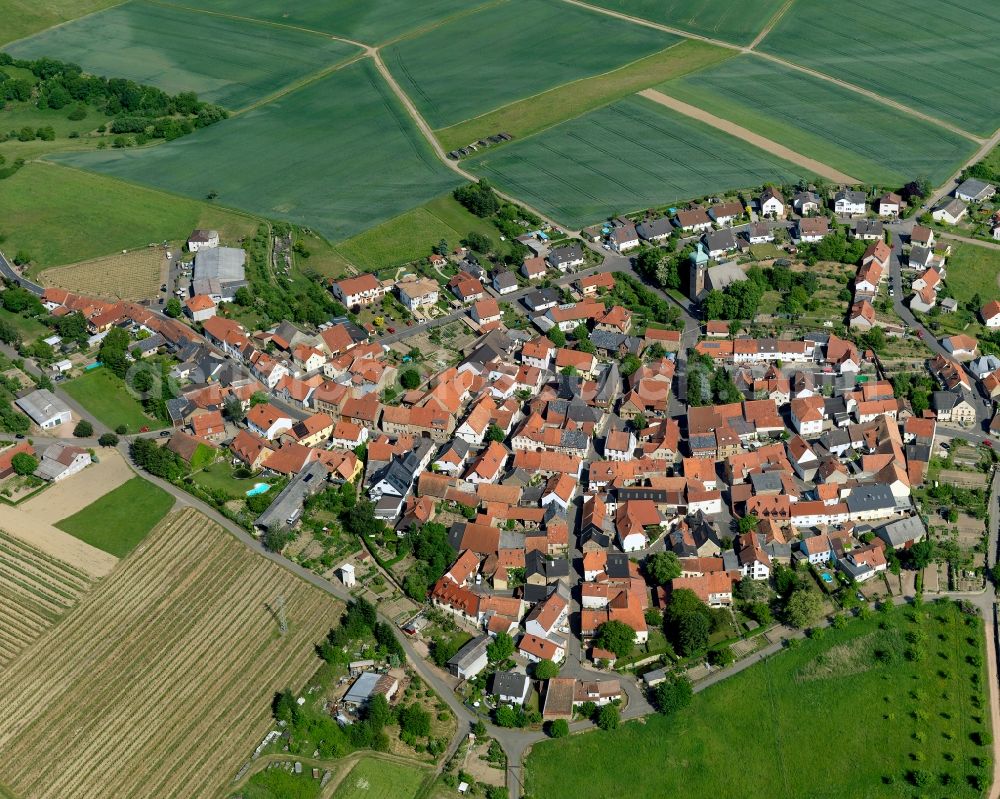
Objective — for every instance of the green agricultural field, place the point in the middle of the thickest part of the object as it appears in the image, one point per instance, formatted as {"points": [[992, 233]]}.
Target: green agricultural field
{"points": [[411, 236], [371, 22], [822, 120], [337, 156], [632, 155], [973, 270], [373, 778], [104, 394], [25, 17], [227, 61], [942, 60], [276, 783], [121, 518], [544, 110], [729, 21], [511, 51], [875, 723], [62, 216]]}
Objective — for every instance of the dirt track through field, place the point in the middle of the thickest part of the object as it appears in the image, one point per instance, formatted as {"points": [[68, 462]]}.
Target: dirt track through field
{"points": [[160, 682], [738, 131]]}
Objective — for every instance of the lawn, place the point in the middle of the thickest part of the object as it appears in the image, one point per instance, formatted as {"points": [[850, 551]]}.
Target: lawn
{"points": [[105, 395], [24, 17], [62, 216], [730, 21], [276, 783], [846, 716], [544, 110], [337, 156], [373, 778], [219, 477], [371, 22], [822, 120], [411, 236], [939, 60], [29, 328], [973, 270], [227, 61], [632, 155], [510, 51], [120, 519]]}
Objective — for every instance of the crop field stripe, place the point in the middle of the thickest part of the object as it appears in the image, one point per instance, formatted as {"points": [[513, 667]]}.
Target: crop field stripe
{"points": [[413, 33], [24, 551], [71, 582], [771, 23], [52, 588]]}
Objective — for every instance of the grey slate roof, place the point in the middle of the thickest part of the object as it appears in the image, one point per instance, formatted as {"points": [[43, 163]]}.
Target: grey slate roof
{"points": [[288, 504], [870, 497]]}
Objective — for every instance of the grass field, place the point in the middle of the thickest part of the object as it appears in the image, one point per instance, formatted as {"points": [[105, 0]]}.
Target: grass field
{"points": [[226, 61], [276, 783], [973, 270], [371, 22], [35, 591], [61, 216], [867, 723], [374, 778], [632, 155], [939, 59], [729, 21], [485, 60], [25, 17], [120, 519], [29, 328], [161, 683], [543, 110], [135, 275], [411, 236], [104, 395], [824, 121], [351, 159]]}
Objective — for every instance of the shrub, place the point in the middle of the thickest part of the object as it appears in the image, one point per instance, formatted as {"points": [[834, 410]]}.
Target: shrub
{"points": [[558, 728], [83, 429]]}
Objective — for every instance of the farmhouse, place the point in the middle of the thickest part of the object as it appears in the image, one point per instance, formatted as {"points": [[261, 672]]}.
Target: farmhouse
{"points": [[219, 272], [202, 240], [45, 409], [60, 461]]}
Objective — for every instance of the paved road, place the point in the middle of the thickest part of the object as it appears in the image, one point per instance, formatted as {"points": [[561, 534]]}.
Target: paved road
{"points": [[8, 271]]}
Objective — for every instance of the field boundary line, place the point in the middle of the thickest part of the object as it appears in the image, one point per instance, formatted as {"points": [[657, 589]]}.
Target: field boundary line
{"points": [[416, 32], [59, 25], [744, 134], [561, 86], [771, 23], [778, 60], [301, 83], [272, 23]]}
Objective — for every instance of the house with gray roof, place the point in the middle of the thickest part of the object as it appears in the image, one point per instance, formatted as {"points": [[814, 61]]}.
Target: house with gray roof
{"points": [[286, 509], [975, 191], [470, 659], [45, 409], [902, 533], [219, 272], [655, 230], [719, 242]]}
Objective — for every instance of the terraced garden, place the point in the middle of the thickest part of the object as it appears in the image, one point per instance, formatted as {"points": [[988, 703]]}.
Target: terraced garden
{"points": [[36, 590], [628, 156], [226, 61], [939, 59], [169, 667]]}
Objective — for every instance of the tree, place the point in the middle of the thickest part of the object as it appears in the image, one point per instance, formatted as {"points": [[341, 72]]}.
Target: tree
{"points": [[258, 398], [507, 716], [748, 524], [688, 622], [478, 242], [173, 308], [276, 539], [630, 365], [108, 440], [24, 463], [546, 670], [608, 717], [803, 608], [500, 648], [83, 429], [557, 337], [378, 712], [409, 379], [495, 433], [921, 554], [662, 567], [113, 352], [673, 694], [558, 728], [414, 720], [478, 198], [615, 636]]}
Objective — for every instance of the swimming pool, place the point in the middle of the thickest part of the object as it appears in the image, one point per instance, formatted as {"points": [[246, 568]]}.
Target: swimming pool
{"points": [[259, 488], [827, 577]]}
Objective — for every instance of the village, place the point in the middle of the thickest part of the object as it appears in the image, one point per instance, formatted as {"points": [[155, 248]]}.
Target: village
{"points": [[542, 464]]}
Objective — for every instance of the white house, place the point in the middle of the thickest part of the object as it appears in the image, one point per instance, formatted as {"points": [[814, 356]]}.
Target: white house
{"points": [[624, 238], [951, 212], [536, 649], [991, 314], [510, 687], [417, 292], [267, 421], [889, 204], [361, 290], [848, 202], [60, 461], [772, 204], [807, 415], [975, 191], [202, 240]]}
